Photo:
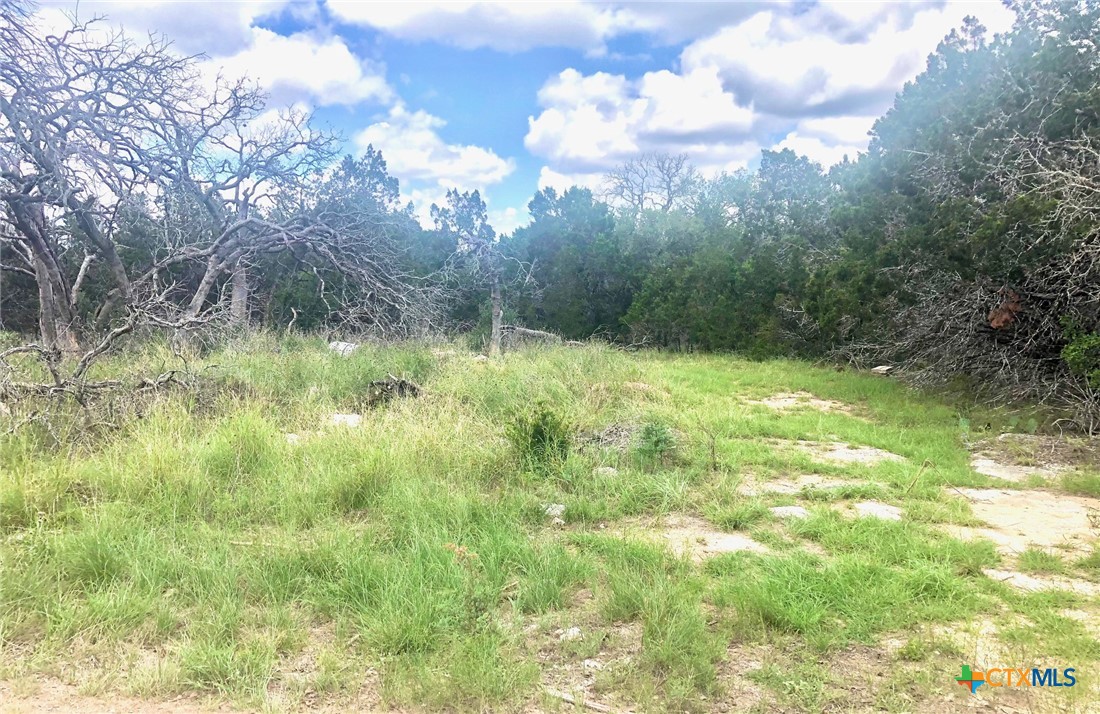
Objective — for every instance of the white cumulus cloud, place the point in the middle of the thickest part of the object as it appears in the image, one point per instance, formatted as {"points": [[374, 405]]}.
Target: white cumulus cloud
{"points": [[415, 151], [320, 69], [590, 123], [428, 165], [506, 220], [811, 78], [314, 66], [549, 178], [500, 25], [828, 140], [510, 26], [837, 59], [219, 29]]}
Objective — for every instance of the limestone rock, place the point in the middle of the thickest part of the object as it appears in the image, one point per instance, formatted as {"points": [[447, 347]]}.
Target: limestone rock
{"points": [[343, 349]]}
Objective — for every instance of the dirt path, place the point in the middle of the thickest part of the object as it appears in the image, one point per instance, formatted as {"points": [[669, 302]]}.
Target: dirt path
{"points": [[51, 696]]}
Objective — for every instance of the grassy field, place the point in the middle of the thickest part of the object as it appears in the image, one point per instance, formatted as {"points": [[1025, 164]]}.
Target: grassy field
{"points": [[578, 521]]}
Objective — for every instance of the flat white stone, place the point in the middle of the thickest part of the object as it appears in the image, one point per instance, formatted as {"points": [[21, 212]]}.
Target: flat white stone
{"points": [[841, 453], [573, 633], [351, 420], [874, 509], [1018, 520], [1031, 584], [790, 512], [343, 348], [793, 487], [1008, 472]]}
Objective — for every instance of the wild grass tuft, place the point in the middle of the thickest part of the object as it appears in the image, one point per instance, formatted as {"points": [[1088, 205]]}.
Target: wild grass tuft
{"points": [[541, 437]]}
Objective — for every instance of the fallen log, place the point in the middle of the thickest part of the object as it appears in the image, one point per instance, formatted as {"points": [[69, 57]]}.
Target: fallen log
{"points": [[523, 334]]}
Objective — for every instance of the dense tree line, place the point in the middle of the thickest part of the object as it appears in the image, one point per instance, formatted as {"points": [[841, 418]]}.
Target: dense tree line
{"points": [[964, 242]]}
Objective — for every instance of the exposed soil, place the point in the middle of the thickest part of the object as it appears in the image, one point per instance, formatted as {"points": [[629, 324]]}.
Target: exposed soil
{"points": [[1010, 472], [1044, 451], [1089, 619], [838, 452], [41, 696], [579, 667], [857, 673], [790, 512], [793, 487], [977, 640], [791, 401], [1021, 519], [1033, 583], [699, 540], [874, 509], [1018, 457], [694, 537], [741, 693]]}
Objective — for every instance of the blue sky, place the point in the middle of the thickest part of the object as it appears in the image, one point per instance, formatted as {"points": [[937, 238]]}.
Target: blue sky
{"points": [[508, 98]]}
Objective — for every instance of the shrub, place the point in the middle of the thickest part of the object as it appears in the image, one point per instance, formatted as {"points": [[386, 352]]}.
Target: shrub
{"points": [[1082, 353], [541, 437], [655, 443]]}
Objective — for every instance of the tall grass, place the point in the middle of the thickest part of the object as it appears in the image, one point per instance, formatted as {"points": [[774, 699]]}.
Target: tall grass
{"points": [[199, 540]]}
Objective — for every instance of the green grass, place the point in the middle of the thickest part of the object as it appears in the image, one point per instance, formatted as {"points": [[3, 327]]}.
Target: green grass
{"points": [[1082, 483], [192, 547], [1035, 560]]}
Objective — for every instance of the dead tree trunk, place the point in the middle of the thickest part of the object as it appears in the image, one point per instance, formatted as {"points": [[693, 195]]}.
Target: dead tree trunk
{"points": [[55, 316], [498, 312], [238, 306]]}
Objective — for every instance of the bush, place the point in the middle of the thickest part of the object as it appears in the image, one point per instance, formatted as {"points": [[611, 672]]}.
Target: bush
{"points": [[1082, 354], [541, 437], [655, 443]]}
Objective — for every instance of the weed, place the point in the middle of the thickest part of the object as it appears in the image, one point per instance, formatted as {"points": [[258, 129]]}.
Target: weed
{"points": [[1034, 560], [738, 516], [1090, 562], [541, 437]]}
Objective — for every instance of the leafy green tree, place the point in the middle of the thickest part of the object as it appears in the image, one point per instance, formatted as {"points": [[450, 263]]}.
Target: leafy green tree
{"points": [[576, 279]]}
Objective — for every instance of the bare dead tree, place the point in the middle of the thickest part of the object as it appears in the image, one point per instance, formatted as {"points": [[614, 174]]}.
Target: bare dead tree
{"points": [[652, 181], [464, 218], [99, 133]]}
